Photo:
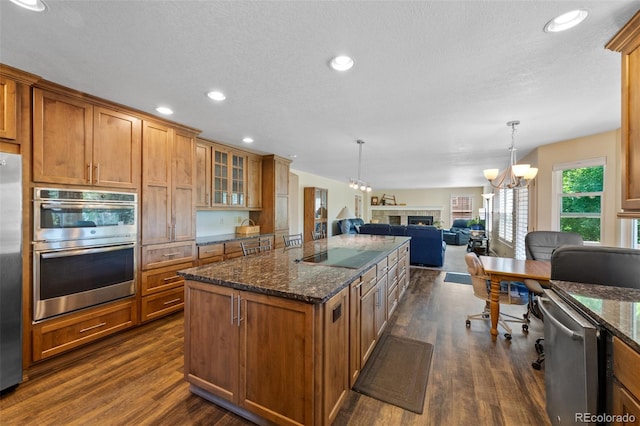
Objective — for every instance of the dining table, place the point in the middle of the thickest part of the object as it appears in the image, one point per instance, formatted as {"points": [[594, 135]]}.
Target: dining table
{"points": [[509, 269]]}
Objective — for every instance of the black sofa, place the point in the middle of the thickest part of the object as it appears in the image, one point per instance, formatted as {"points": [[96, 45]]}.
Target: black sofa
{"points": [[427, 244]]}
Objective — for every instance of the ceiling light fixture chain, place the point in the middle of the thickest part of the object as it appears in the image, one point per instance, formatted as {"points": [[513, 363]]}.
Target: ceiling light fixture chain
{"points": [[515, 175], [359, 183]]}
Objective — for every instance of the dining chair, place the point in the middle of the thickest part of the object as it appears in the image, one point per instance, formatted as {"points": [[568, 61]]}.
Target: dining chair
{"points": [[540, 245], [512, 294], [255, 247], [292, 240], [318, 235]]}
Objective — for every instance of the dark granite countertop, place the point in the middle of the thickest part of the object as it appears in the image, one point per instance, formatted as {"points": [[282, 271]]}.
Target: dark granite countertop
{"points": [[280, 273], [215, 239], [616, 308]]}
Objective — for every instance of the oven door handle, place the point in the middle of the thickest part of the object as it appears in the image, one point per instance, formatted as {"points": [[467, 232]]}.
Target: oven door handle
{"points": [[75, 252], [563, 328], [53, 206]]}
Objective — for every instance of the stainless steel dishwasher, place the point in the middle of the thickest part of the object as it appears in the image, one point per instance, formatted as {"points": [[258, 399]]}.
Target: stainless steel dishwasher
{"points": [[572, 361]]}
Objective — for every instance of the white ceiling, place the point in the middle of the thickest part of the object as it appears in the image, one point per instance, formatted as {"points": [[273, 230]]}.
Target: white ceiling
{"points": [[433, 86]]}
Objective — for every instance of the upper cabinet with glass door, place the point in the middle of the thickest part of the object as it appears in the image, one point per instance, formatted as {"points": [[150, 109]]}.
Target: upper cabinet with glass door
{"points": [[222, 175]]}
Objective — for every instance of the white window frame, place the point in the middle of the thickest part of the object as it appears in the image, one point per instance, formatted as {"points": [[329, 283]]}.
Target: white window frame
{"points": [[556, 186], [453, 203]]}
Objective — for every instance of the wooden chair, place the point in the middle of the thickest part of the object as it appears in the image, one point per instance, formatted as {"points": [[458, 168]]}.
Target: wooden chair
{"points": [[255, 247], [318, 235], [481, 289], [292, 240]]}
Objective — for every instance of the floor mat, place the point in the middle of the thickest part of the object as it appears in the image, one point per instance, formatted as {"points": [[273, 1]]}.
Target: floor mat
{"points": [[397, 372], [456, 277]]}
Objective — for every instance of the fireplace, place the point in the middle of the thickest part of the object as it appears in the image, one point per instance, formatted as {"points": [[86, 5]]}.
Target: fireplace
{"points": [[395, 220], [420, 220]]}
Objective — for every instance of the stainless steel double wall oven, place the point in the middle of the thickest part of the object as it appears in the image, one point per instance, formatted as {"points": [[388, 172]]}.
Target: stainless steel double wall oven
{"points": [[84, 249]]}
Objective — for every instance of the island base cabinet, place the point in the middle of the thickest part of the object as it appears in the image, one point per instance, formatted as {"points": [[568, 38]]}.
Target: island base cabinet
{"points": [[626, 385], [252, 350]]}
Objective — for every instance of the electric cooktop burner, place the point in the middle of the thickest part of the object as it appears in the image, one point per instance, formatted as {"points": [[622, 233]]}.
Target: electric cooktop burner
{"points": [[342, 257]]}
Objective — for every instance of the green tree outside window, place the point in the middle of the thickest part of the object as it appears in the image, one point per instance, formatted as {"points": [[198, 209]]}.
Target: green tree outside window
{"points": [[581, 205]]}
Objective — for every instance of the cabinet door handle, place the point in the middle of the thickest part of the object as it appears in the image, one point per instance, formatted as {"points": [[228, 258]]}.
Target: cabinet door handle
{"points": [[93, 327], [90, 173], [360, 285], [173, 278], [239, 311], [169, 302], [97, 168], [233, 319], [171, 254]]}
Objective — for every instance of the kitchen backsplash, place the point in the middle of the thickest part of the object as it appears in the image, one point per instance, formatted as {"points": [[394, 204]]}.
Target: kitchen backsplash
{"points": [[218, 222]]}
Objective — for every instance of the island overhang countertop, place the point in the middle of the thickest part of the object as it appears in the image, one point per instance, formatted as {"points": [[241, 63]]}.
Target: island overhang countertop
{"points": [[311, 273]]}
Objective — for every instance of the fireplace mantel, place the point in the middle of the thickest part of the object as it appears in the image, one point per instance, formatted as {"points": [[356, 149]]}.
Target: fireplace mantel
{"points": [[397, 215], [421, 208]]}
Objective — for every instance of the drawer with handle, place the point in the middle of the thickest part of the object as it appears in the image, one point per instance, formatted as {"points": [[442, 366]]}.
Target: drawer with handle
{"points": [[158, 255]]}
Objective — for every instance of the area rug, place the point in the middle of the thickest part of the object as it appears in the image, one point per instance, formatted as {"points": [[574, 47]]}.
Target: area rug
{"points": [[397, 372], [457, 277]]}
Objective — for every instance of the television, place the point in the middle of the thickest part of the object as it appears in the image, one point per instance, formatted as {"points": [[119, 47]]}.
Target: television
{"points": [[420, 220]]}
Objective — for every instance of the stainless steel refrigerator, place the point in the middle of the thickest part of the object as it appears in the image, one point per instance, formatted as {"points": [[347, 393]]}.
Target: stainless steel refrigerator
{"points": [[10, 270]]}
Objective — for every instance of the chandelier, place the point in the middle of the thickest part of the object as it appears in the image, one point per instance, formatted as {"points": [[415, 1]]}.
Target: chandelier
{"points": [[359, 183], [515, 175]]}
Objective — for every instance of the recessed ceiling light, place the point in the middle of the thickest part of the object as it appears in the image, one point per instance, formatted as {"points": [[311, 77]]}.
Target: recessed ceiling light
{"points": [[566, 21], [164, 110], [247, 140], [341, 63], [216, 95], [35, 5]]}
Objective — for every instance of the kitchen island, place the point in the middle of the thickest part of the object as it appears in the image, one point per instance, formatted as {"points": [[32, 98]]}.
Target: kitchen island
{"points": [[280, 337], [617, 310]]}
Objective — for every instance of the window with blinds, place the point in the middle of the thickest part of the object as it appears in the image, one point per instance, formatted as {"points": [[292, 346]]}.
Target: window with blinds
{"points": [[522, 221], [461, 207], [505, 212], [513, 220]]}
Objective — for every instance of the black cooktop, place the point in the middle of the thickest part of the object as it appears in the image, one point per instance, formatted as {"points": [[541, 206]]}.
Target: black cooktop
{"points": [[342, 257]]}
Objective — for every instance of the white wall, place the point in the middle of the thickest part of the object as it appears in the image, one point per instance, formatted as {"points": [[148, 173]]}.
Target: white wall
{"points": [[339, 193], [607, 145], [434, 197], [218, 222]]}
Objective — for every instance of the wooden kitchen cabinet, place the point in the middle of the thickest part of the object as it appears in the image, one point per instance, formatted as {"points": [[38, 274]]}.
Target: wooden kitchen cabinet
{"points": [[210, 253], [8, 109], [626, 385], [58, 335], [403, 270], [627, 42], [254, 181], [251, 350], [78, 142], [315, 211], [168, 217], [168, 178], [222, 174], [203, 175], [274, 216], [372, 313]]}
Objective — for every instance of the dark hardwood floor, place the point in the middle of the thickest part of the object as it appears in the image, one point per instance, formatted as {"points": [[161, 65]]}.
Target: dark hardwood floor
{"points": [[136, 377]]}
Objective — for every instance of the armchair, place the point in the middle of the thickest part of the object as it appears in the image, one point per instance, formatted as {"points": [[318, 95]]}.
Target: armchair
{"points": [[458, 234], [350, 226]]}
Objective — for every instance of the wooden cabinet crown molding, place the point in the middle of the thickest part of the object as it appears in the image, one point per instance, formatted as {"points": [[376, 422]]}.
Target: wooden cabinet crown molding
{"points": [[97, 101], [624, 38], [18, 75]]}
